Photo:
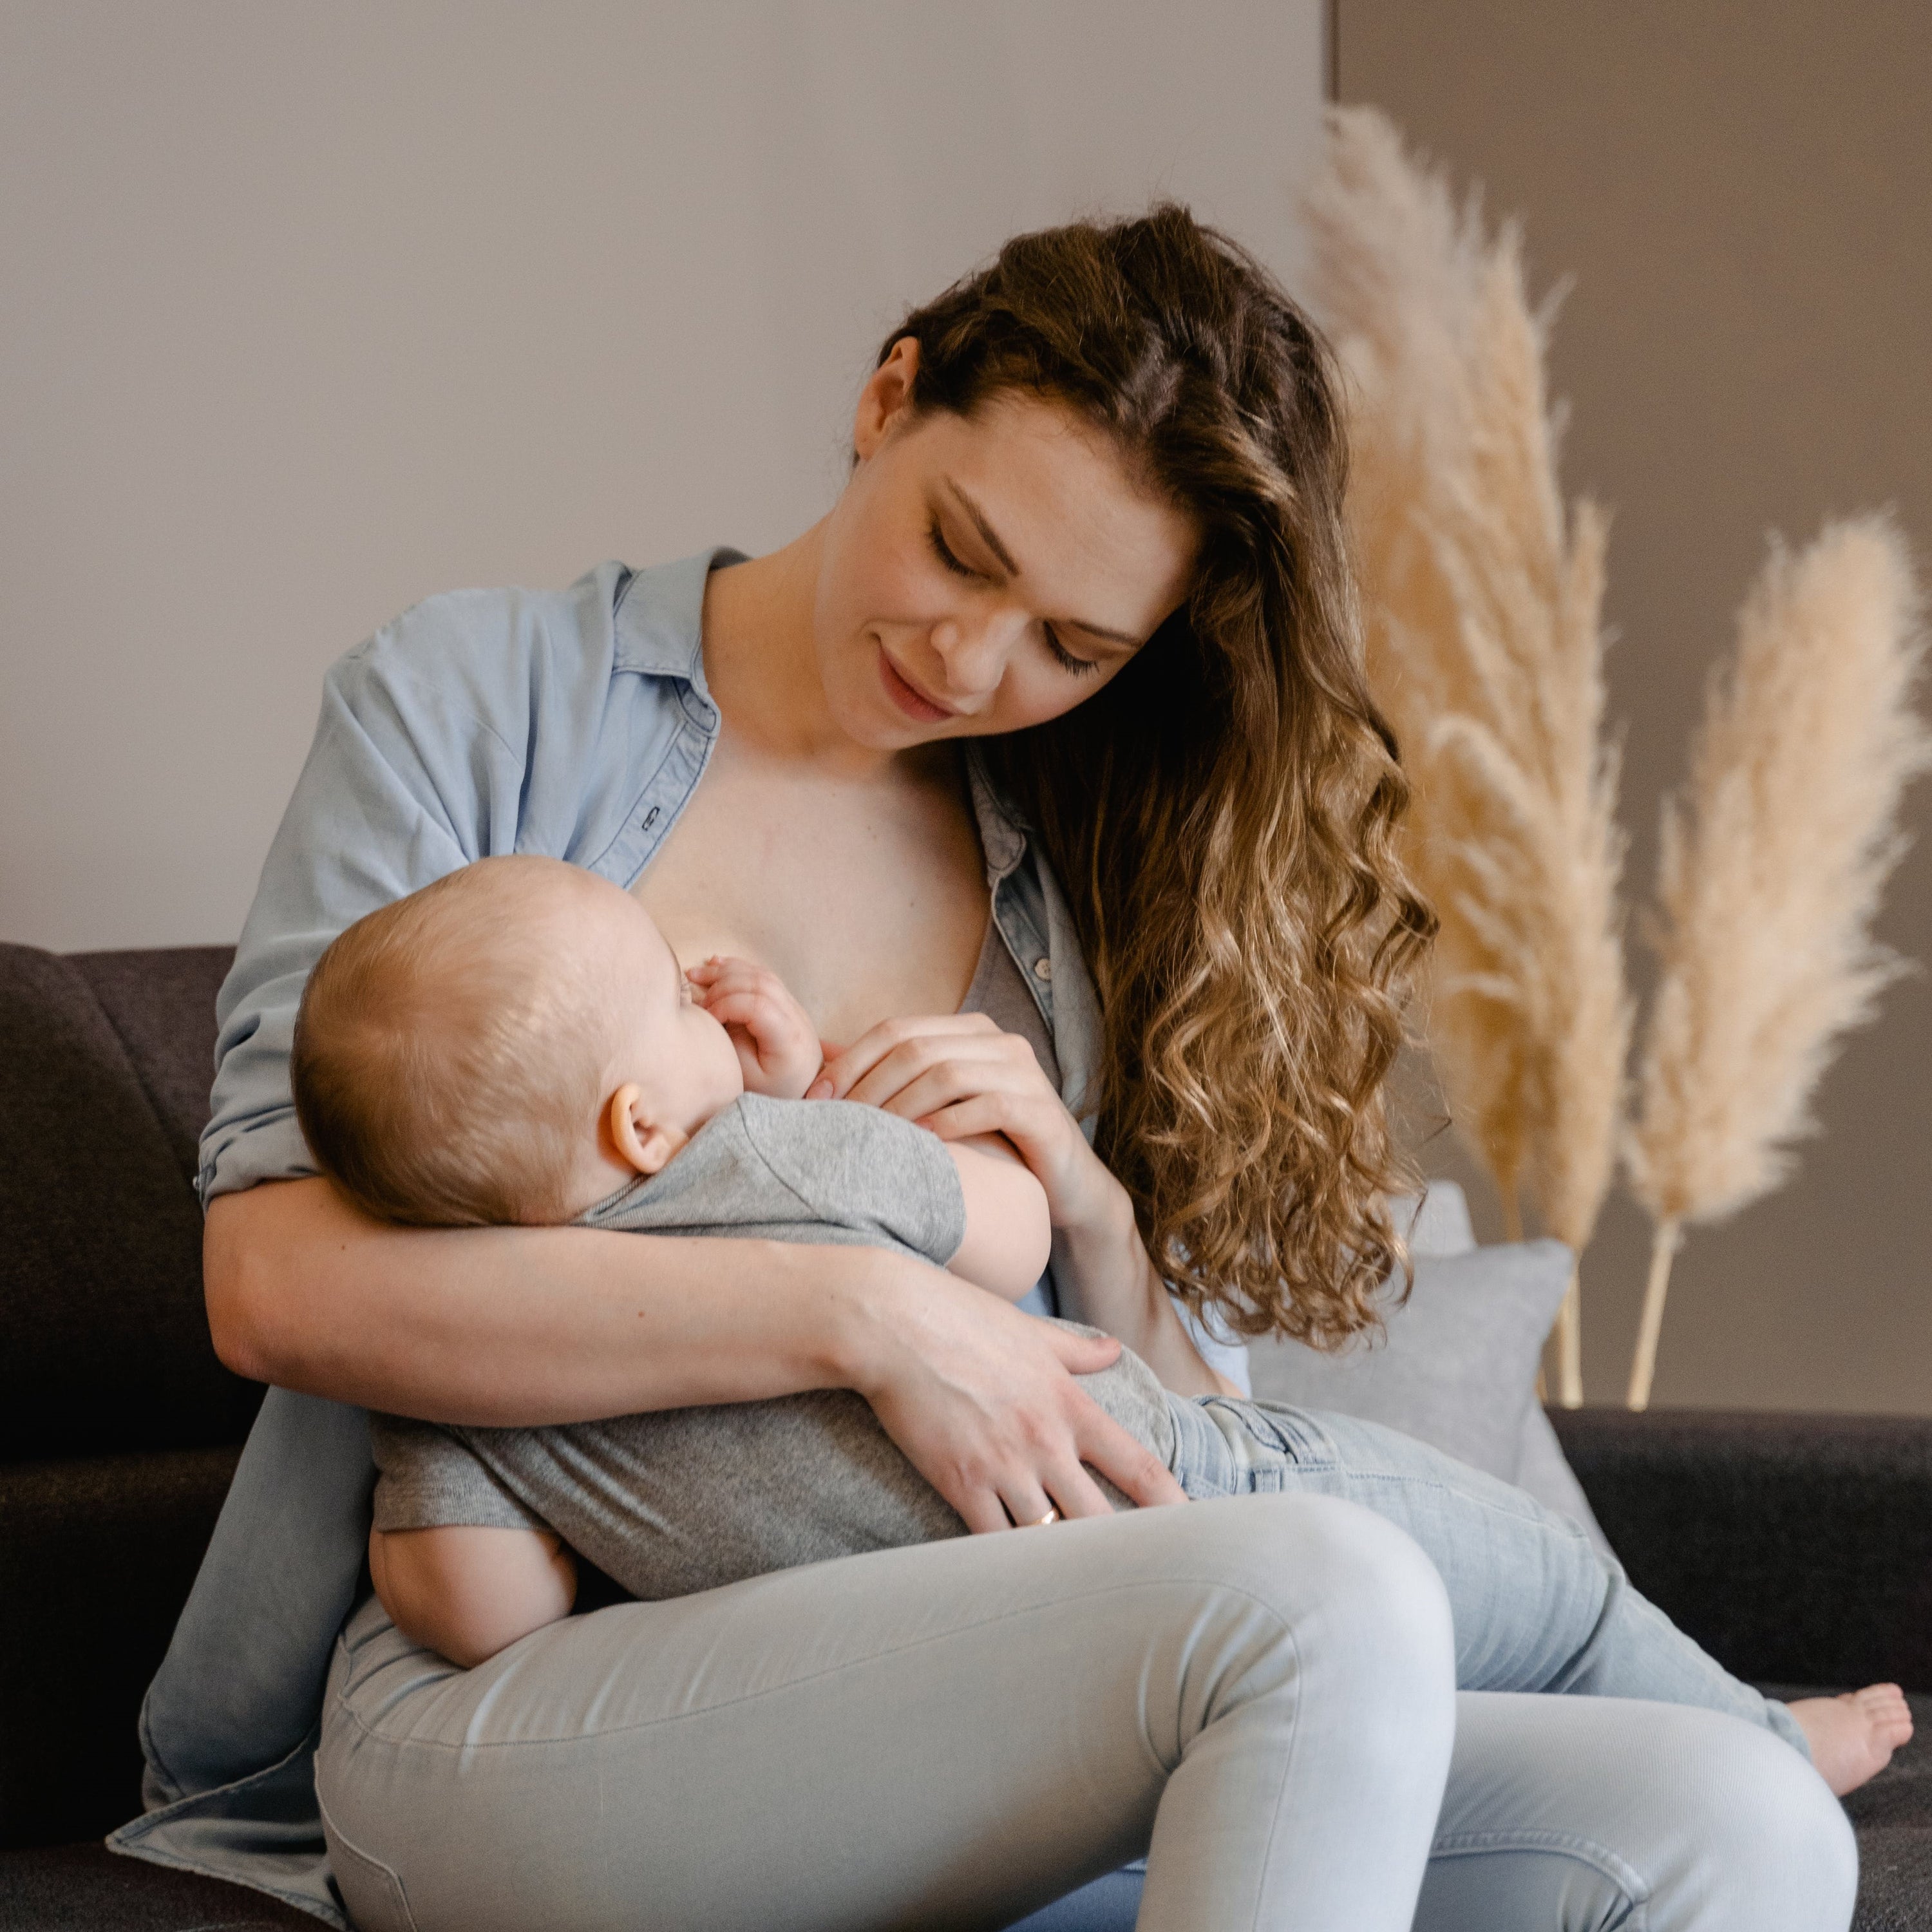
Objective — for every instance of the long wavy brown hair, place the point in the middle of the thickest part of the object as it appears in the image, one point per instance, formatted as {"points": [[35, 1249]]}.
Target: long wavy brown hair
{"points": [[1222, 814]]}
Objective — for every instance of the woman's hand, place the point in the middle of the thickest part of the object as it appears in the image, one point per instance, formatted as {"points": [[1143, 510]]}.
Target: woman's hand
{"points": [[778, 1046], [960, 1075], [984, 1402]]}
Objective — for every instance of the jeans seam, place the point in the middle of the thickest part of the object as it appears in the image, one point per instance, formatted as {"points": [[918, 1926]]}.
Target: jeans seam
{"points": [[369, 1730], [1288, 1765], [1493, 1505], [1569, 1844]]}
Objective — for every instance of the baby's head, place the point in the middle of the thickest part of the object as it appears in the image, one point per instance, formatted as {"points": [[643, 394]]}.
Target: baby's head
{"points": [[507, 1044]]}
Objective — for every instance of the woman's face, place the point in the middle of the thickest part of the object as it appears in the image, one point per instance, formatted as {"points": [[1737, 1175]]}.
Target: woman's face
{"points": [[981, 574]]}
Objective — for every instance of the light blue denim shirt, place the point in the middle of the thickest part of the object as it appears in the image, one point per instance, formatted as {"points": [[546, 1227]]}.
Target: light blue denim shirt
{"points": [[576, 723]]}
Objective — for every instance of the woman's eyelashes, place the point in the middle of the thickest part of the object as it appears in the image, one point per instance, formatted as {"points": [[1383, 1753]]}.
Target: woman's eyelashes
{"points": [[947, 556], [1065, 658], [944, 551]]}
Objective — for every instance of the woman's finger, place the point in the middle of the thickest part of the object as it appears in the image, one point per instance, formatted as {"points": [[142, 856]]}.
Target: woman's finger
{"points": [[856, 1061], [1081, 1354], [1026, 1502], [1076, 1493], [982, 1511], [983, 1114], [971, 1063], [943, 1083], [1130, 1466]]}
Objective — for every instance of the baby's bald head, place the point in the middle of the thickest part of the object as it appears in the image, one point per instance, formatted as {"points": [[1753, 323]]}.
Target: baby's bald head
{"points": [[450, 1049]]}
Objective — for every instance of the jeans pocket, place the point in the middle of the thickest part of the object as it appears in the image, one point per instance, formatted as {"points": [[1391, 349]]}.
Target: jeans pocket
{"points": [[372, 1892], [1292, 1434]]}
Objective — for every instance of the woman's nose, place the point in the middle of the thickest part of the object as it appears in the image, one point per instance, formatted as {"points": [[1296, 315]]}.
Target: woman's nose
{"points": [[974, 651]]}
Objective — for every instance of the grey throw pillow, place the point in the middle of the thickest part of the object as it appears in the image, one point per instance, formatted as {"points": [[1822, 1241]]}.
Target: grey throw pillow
{"points": [[1456, 1366]]}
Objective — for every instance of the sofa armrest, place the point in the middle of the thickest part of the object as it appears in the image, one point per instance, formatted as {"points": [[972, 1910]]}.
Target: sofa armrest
{"points": [[1795, 1548]]}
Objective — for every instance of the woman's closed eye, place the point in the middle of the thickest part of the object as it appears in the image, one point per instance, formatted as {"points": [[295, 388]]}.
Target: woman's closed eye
{"points": [[947, 556]]}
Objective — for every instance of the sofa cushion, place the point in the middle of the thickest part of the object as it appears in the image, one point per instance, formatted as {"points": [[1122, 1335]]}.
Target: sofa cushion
{"points": [[104, 1342], [161, 1003], [1456, 1364], [87, 1888], [96, 1557]]}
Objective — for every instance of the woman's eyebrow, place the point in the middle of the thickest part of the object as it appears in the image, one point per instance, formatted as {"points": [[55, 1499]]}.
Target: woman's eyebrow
{"points": [[989, 534], [990, 537]]}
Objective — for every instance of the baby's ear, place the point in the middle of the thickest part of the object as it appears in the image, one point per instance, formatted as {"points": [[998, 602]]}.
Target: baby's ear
{"points": [[637, 1139]]}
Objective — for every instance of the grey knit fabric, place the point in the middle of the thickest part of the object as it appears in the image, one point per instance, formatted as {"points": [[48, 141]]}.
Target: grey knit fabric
{"points": [[684, 1500]]}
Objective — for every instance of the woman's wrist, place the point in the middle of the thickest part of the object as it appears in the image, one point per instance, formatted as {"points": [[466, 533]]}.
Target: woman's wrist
{"points": [[1102, 1258], [1115, 1286]]}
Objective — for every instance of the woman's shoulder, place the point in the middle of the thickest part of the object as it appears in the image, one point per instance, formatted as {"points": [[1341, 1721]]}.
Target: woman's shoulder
{"points": [[478, 649], [531, 668]]}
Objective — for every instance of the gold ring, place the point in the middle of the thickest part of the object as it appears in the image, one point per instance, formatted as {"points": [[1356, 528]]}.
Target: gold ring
{"points": [[1041, 1522]]}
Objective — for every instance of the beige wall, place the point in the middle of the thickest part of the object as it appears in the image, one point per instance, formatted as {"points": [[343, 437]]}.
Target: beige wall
{"points": [[1743, 193], [313, 309]]}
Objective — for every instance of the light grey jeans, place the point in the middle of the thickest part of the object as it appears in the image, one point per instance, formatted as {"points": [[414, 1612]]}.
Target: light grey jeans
{"points": [[1257, 1692]]}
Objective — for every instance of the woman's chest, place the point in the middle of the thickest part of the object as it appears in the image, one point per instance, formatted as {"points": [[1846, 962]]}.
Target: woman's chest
{"points": [[868, 902]]}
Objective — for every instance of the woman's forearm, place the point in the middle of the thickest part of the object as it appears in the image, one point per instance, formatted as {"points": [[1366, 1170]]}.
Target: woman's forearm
{"points": [[526, 1326], [1119, 1289]]}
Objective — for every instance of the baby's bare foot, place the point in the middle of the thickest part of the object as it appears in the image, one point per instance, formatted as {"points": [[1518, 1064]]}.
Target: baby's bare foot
{"points": [[1852, 1737]]}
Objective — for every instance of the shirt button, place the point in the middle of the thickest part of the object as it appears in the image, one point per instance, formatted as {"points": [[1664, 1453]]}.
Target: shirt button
{"points": [[1042, 969]]}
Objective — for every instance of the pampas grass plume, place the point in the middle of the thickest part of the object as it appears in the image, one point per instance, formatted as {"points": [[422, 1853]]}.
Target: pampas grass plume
{"points": [[1771, 865], [1481, 601]]}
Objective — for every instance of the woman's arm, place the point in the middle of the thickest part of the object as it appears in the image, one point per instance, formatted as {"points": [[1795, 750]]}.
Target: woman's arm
{"points": [[527, 1326], [961, 1076]]}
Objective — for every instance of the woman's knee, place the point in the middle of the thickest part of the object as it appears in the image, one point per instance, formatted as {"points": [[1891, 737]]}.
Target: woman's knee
{"points": [[1359, 1604], [1779, 1847], [1729, 1825]]}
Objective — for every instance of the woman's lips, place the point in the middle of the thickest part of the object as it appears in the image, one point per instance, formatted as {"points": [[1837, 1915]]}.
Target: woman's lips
{"points": [[907, 695]]}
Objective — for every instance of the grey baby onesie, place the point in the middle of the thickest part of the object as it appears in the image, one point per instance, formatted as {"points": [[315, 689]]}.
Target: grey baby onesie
{"points": [[683, 1500]]}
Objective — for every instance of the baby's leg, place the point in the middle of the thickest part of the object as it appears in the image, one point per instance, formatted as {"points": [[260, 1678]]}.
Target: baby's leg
{"points": [[1535, 1607], [469, 1591]]}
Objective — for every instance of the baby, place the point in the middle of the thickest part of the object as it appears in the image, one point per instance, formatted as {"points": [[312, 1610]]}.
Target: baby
{"points": [[517, 1043]]}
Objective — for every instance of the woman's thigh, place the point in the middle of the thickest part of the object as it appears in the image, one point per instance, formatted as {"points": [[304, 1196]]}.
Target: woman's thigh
{"points": [[1584, 1814], [946, 1735]]}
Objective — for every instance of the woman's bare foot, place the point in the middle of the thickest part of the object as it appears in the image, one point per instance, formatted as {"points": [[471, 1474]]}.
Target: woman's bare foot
{"points": [[1852, 1737]]}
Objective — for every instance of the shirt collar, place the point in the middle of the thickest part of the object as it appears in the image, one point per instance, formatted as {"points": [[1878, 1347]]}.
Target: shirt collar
{"points": [[1002, 830], [659, 621]]}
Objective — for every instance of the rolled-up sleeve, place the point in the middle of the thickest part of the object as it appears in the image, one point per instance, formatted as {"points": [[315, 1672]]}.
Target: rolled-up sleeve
{"points": [[424, 759]]}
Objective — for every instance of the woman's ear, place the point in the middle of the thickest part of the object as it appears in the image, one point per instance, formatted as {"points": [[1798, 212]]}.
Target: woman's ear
{"points": [[886, 397], [638, 1140]]}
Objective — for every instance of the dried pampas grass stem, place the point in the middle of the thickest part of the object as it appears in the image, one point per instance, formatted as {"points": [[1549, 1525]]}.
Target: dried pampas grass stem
{"points": [[1481, 597], [1770, 868]]}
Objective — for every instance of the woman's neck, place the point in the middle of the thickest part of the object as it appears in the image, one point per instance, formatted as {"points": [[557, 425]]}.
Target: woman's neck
{"points": [[761, 662]]}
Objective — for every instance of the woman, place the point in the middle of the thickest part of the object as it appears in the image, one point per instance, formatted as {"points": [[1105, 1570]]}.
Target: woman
{"points": [[1092, 531]]}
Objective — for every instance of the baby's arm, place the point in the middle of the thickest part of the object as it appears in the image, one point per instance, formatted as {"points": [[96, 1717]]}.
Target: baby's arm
{"points": [[1009, 1233], [467, 1591]]}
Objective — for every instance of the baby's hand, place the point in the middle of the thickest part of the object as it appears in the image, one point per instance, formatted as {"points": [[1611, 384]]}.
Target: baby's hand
{"points": [[778, 1046]]}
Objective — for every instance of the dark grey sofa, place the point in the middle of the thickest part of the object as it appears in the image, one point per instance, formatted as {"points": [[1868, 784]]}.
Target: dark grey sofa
{"points": [[1798, 1550]]}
